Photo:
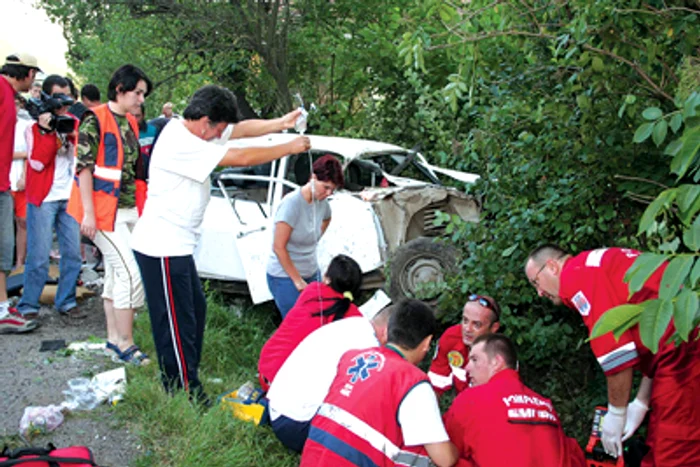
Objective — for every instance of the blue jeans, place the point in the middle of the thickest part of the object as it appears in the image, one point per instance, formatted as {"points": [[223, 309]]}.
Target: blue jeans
{"points": [[285, 293], [291, 433], [41, 221]]}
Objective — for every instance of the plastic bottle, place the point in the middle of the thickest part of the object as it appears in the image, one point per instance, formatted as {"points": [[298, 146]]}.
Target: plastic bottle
{"points": [[300, 124], [245, 391]]}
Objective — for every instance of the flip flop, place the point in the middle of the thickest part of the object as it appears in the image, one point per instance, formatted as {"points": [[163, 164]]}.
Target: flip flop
{"points": [[134, 356]]}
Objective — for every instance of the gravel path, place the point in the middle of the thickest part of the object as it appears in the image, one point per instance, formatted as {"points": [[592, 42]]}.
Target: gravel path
{"points": [[33, 378]]}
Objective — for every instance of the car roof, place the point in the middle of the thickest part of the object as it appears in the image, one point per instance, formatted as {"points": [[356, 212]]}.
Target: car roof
{"points": [[348, 148]]}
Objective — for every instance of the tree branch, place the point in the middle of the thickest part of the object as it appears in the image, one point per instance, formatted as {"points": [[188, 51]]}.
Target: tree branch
{"points": [[640, 179]]}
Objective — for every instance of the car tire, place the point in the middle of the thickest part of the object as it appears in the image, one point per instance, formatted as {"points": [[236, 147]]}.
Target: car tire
{"points": [[418, 261]]}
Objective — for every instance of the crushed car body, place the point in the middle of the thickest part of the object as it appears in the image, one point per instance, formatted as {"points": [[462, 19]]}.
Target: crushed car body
{"points": [[385, 213]]}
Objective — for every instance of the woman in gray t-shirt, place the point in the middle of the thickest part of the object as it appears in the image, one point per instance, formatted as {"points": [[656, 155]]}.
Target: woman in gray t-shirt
{"points": [[302, 217]]}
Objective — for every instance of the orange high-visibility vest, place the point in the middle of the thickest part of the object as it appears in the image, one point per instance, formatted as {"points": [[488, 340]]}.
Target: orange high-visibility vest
{"points": [[107, 175]]}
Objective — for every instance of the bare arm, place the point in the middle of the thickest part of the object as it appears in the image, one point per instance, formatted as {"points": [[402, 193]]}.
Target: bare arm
{"points": [[442, 454], [620, 387], [19, 155], [644, 393], [257, 127], [87, 226], [279, 245], [245, 157]]}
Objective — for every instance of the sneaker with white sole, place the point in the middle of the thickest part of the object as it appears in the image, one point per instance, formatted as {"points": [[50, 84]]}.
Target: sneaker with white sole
{"points": [[14, 323]]}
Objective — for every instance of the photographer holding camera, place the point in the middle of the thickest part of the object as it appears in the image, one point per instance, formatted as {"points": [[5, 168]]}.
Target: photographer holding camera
{"points": [[51, 143]]}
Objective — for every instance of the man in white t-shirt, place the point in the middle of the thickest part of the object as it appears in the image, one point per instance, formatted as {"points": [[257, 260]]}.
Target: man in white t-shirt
{"points": [[165, 236], [303, 380]]}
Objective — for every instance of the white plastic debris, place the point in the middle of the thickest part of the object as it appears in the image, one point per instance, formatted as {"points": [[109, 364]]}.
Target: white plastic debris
{"points": [[375, 304]]}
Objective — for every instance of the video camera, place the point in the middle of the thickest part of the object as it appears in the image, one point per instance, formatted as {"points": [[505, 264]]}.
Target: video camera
{"points": [[61, 123]]}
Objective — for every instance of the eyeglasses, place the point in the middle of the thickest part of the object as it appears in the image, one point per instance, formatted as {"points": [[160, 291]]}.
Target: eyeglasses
{"points": [[486, 303], [535, 280]]}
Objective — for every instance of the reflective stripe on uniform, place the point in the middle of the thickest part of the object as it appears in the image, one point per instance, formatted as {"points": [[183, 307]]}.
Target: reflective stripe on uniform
{"points": [[617, 357], [376, 439], [440, 381], [108, 174]]}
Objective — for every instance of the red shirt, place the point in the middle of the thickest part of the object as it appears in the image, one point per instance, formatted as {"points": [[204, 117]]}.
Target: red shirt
{"points": [[8, 120], [297, 325], [593, 283], [504, 423], [449, 366]]}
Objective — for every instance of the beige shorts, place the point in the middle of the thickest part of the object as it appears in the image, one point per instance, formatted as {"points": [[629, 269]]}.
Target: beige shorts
{"points": [[122, 281]]}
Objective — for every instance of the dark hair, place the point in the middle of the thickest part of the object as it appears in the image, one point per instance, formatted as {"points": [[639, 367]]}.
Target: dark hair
{"points": [[215, 102], [51, 81], [15, 71], [547, 251], [411, 322], [328, 169], [125, 79], [90, 92], [498, 344], [345, 276], [73, 91]]}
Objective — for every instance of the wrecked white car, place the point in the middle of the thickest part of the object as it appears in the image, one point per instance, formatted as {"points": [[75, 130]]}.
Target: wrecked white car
{"points": [[384, 214]]}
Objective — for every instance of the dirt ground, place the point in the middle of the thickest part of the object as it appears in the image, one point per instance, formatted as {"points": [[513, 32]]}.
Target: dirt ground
{"points": [[34, 378]]}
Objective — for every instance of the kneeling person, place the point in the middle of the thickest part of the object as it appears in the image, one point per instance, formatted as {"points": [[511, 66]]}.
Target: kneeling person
{"points": [[499, 409], [381, 409]]}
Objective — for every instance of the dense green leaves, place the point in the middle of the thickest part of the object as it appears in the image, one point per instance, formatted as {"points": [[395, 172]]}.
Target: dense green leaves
{"points": [[684, 312], [653, 322], [616, 318]]}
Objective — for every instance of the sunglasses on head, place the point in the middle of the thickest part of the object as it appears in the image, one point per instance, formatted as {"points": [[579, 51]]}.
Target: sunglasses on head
{"points": [[486, 303]]}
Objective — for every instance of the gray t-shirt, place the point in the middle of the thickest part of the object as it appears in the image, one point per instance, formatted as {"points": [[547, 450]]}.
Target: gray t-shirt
{"points": [[295, 211]]}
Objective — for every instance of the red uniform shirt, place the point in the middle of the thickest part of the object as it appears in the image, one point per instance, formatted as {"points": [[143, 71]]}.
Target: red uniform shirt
{"points": [[296, 326], [592, 283], [504, 423], [357, 424], [449, 366], [8, 120]]}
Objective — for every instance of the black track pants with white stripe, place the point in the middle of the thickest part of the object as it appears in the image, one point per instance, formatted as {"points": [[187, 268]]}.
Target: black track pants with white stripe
{"points": [[178, 309]]}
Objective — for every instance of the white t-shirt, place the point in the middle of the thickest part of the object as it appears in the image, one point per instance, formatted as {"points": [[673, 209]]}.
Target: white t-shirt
{"points": [[419, 417], [178, 191], [306, 376], [17, 167]]}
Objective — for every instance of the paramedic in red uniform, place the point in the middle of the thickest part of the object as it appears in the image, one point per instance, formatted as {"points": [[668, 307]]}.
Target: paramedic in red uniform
{"points": [[501, 422], [481, 316], [593, 283], [380, 409]]}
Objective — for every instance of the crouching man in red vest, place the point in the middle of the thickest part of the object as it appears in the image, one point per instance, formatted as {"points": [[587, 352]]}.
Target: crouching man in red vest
{"points": [[381, 409], [500, 421]]}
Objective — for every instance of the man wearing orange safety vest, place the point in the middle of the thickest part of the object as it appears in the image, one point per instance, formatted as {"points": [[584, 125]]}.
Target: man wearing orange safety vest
{"points": [[103, 198]]}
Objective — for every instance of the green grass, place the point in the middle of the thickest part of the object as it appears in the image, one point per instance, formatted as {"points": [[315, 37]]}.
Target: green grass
{"points": [[172, 431]]}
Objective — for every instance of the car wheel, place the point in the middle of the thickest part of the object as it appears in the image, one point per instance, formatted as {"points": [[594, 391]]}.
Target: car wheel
{"points": [[419, 261]]}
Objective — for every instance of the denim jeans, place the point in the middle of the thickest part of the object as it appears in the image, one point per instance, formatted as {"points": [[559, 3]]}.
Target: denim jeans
{"points": [[41, 221], [7, 232], [285, 292]]}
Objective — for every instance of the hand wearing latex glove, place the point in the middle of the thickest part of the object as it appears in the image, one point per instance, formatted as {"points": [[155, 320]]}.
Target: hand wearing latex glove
{"points": [[613, 424], [636, 411]]}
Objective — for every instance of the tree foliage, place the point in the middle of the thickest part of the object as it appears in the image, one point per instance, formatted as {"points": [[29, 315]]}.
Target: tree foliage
{"points": [[565, 108]]}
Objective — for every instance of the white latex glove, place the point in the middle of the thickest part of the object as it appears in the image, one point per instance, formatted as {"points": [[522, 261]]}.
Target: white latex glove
{"points": [[636, 411], [613, 424]]}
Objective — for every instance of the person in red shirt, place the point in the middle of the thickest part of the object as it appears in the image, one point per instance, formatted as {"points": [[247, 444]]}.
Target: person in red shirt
{"points": [[481, 316], [318, 304], [499, 410], [16, 75], [380, 409], [593, 283]]}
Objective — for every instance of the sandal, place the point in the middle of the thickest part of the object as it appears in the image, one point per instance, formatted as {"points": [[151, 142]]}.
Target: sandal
{"points": [[111, 350], [134, 356]]}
